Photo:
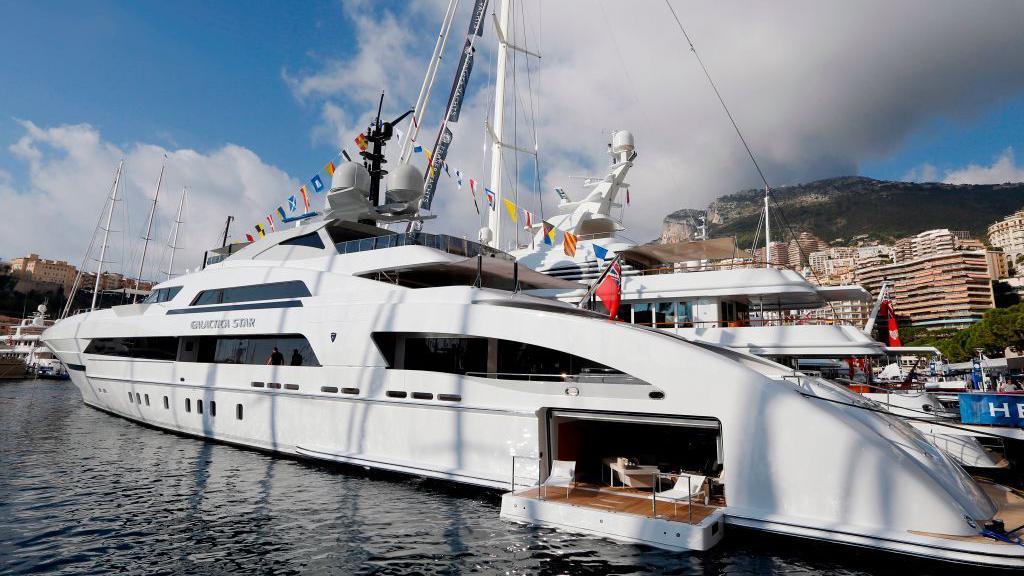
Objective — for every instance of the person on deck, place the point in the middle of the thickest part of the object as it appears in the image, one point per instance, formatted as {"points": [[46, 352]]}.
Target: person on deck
{"points": [[276, 358], [296, 357]]}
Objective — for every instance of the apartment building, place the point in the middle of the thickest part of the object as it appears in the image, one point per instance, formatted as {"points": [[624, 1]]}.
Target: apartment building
{"points": [[1008, 234], [32, 267]]}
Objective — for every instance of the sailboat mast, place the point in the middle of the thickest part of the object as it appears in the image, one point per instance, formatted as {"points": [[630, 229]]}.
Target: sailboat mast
{"points": [[174, 234], [428, 81], [106, 235], [149, 232], [494, 214], [767, 233]]}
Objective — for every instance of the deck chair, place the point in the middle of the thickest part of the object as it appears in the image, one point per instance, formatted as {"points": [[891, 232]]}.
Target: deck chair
{"points": [[679, 493], [563, 474]]}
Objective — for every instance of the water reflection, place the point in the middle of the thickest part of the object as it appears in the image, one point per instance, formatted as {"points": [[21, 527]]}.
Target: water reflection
{"points": [[85, 492]]}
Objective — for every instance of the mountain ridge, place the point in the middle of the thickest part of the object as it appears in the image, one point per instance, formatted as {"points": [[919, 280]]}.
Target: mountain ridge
{"points": [[837, 209]]}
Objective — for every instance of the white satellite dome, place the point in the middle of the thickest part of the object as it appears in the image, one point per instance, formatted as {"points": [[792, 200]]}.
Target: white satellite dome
{"points": [[622, 141], [405, 184], [351, 175]]}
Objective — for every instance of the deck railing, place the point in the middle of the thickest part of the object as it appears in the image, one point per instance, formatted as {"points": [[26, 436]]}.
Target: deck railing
{"points": [[513, 483]]}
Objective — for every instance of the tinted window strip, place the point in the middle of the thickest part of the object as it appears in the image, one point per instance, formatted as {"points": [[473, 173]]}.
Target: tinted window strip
{"points": [[331, 389], [291, 386], [230, 307], [423, 395], [76, 367], [450, 397], [396, 394], [257, 384], [350, 390]]}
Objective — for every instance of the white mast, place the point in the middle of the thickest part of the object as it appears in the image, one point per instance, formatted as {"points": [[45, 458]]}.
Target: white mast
{"points": [[494, 215], [106, 235], [767, 233], [149, 232], [174, 233], [428, 80]]}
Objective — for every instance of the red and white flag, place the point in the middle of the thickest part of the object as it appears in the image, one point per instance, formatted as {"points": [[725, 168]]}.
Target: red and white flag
{"points": [[610, 290], [894, 329]]}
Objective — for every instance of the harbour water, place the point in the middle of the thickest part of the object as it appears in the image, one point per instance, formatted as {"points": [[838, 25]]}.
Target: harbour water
{"points": [[83, 492]]}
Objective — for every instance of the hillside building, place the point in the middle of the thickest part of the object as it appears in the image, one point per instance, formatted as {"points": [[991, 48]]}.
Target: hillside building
{"points": [[802, 246], [931, 242], [780, 254], [1008, 234], [37, 269]]}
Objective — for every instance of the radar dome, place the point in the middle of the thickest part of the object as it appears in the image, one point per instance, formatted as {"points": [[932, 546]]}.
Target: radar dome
{"points": [[622, 141], [405, 184], [485, 235], [351, 175], [41, 308]]}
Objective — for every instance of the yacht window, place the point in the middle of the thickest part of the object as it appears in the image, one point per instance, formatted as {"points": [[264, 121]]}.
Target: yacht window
{"points": [[147, 399], [643, 313], [450, 355], [138, 398], [294, 350], [188, 405], [734, 314], [238, 411], [541, 363], [269, 291], [131, 398], [167, 404], [152, 347], [162, 295], [312, 240], [453, 354], [199, 406], [213, 407]]}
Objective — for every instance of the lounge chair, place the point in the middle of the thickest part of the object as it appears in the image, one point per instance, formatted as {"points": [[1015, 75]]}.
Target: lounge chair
{"points": [[563, 474], [685, 491]]}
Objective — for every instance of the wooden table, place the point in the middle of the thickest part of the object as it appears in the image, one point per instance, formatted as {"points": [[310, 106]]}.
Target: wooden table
{"points": [[639, 477]]}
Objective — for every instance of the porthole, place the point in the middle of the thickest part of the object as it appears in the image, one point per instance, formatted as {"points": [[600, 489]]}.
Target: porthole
{"points": [[257, 384], [397, 394], [331, 389], [423, 395], [350, 390], [291, 386], [449, 397], [656, 394]]}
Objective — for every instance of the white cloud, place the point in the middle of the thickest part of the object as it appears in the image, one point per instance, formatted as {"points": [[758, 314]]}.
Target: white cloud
{"points": [[1003, 169], [69, 172], [924, 173], [816, 87]]}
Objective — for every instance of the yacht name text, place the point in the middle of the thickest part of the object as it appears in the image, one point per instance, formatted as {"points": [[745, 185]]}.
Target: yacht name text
{"points": [[219, 324]]}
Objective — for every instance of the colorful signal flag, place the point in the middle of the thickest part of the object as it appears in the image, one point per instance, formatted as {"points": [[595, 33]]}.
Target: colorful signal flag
{"points": [[305, 198], [490, 197], [249, 238], [330, 167], [569, 244], [260, 231], [318, 184], [293, 204], [281, 212], [270, 220], [361, 141], [511, 207], [549, 234]]}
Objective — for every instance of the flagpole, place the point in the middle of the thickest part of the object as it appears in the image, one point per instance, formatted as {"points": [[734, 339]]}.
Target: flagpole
{"points": [[596, 283]]}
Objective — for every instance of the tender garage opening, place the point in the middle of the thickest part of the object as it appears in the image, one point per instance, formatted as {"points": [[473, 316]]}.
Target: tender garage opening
{"points": [[621, 449]]}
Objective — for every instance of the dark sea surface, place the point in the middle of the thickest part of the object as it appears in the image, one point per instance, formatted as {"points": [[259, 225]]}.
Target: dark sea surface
{"points": [[83, 492]]}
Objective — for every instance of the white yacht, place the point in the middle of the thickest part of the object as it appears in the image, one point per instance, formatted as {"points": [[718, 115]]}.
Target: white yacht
{"points": [[714, 292], [711, 290], [23, 344], [426, 354]]}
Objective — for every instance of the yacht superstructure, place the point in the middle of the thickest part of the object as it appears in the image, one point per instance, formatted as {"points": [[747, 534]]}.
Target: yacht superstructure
{"points": [[24, 345], [430, 355]]}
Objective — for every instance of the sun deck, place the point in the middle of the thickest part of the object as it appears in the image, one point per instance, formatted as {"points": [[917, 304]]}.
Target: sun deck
{"points": [[619, 513]]}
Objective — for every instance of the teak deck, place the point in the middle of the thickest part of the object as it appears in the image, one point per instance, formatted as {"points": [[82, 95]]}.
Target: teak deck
{"points": [[621, 500]]}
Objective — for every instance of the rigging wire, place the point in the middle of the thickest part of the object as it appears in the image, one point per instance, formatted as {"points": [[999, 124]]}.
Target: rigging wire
{"points": [[750, 153], [719, 95]]}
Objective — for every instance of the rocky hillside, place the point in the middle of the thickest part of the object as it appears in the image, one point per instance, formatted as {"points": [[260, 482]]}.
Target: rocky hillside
{"points": [[837, 209]]}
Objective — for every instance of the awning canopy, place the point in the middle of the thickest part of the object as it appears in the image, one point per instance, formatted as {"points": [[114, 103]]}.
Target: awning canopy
{"points": [[714, 249], [495, 273]]}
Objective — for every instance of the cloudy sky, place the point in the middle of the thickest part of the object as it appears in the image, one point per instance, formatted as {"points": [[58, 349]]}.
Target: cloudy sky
{"points": [[247, 101]]}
